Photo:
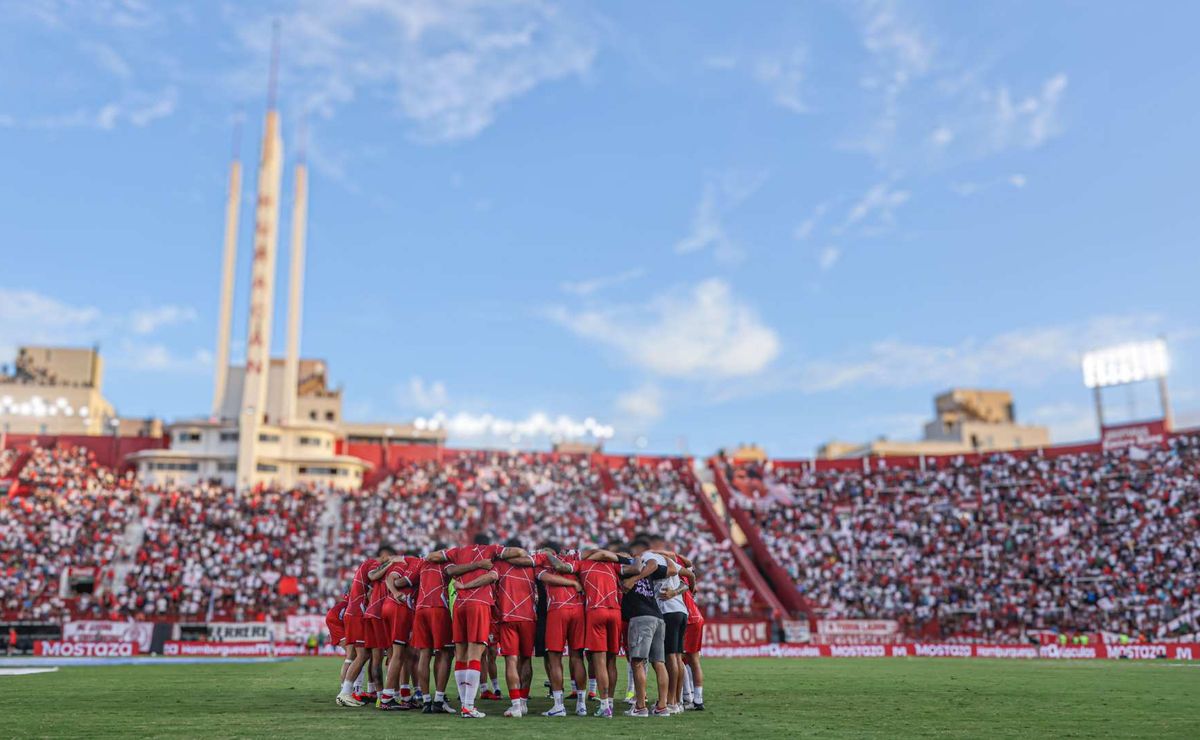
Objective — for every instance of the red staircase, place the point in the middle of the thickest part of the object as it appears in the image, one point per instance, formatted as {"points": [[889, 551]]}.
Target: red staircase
{"points": [[781, 583]]}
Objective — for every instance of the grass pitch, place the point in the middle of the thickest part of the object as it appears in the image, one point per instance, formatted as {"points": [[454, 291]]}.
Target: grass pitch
{"points": [[891, 697]]}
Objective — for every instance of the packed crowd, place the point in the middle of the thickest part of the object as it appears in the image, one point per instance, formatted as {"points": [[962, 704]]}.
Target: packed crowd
{"points": [[1000, 549], [70, 519], [203, 553]]}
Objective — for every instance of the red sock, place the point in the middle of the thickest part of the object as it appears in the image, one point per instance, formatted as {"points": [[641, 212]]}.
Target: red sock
{"points": [[472, 666], [461, 665]]}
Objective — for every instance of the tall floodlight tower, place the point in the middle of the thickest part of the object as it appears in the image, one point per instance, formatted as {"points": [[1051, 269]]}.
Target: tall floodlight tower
{"points": [[262, 284], [1126, 365], [228, 263], [291, 366]]}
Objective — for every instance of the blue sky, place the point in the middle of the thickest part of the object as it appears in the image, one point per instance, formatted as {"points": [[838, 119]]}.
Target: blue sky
{"points": [[702, 223]]}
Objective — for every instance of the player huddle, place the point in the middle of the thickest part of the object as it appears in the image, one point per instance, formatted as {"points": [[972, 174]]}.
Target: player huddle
{"points": [[407, 617]]}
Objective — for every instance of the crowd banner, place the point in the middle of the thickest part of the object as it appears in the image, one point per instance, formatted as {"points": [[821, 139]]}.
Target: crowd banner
{"points": [[65, 649], [184, 648], [796, 630], [243, 631], [300, 626], [1145, 651], [99, 630], [853, 631], [731, 634], [1143, 436]]}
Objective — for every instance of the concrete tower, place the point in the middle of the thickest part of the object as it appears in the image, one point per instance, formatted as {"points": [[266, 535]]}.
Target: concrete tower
{"points": [[295, 290], [262, 285], [228, 263]]}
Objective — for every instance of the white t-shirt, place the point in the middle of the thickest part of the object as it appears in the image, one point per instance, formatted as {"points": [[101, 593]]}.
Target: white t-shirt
{"points": [[667, 606]]}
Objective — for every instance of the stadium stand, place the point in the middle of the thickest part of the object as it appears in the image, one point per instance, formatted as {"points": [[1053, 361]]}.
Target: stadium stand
{"points": [[992, 549]]}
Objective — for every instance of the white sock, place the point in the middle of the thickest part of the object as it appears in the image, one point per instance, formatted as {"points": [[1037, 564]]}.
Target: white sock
{"points": [[370, 687], [557, 695], [460, 680], [687, 684], [471, 687], [496, 685], [441, 695], [573, 686], [581, 699], [347, 687], [629, 676], [591, 685], [699, 694]]}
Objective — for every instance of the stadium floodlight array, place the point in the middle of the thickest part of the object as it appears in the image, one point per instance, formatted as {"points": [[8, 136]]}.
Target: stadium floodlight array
{"points": [[37, 407], [1125, 363]]}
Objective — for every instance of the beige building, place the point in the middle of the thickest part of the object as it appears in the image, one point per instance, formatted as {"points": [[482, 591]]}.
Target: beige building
{"points": [[55, 390], [966, 420]]}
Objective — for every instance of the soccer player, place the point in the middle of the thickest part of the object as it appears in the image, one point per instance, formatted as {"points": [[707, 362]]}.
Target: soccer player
{"points": [[647, 629], [693, 644], [432, 634], [565, 627], [356, 632], [600, 572], [377, 638], [335, 623], [669, 593], [397, 618], [474, 584], [516, 601]]}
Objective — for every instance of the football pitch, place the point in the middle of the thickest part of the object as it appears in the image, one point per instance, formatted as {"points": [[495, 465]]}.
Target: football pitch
{"points": [[906, 697]]}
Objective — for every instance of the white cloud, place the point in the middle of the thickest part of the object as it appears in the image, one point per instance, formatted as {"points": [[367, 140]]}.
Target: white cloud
{"points": [[642, 404], [941, 136], [1017, 180], [783, 75], [1031, 121], [157, 357], [108, 59], [449, 66], [138, 109], [589, 286], [901, 52], [491, 430], [808, 225], [1021, 357], [151, 320], [971, 187], [422, 396], [708, 233], [29, 317], [702, 332], [877, 206], [828, 257]]}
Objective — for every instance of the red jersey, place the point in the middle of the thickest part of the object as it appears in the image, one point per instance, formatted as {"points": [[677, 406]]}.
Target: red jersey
{"points": [[561, 597], [359, 588], [600, 584], [404, 568], [486, 594], [694, 615], [431, 583], [517, 597]]}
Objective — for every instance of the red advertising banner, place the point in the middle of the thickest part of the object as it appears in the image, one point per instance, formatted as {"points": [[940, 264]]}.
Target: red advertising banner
{"points": [[1151, 651], [63, 649], [1146, 435], [736, 633]]}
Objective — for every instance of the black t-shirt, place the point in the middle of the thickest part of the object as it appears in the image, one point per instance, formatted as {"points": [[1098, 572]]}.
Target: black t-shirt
{"points": [[639, 601]]}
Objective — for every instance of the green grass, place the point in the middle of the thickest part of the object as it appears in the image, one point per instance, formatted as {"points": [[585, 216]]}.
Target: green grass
{"points": [[745, 698]]}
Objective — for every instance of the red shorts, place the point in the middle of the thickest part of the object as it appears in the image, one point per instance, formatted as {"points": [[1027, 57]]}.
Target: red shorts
{"points": [[565, 627], [336, 627], [355, 630], [516, 638], [431, 629], [603, 631], [376, 632], [472, 623], [398, 619], [693, 638]]}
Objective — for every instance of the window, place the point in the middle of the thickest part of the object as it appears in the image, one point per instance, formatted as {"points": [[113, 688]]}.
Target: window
{"points": [[229, 436], [312, 415], [311, 441], [321, 471], [268, 438], [176, 466], [267, 467], [184, 437], [227, 467], [329, 416]]}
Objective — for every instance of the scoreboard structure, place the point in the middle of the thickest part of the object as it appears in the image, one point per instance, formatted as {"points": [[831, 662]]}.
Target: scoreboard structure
{"points": [[1134, 363]]}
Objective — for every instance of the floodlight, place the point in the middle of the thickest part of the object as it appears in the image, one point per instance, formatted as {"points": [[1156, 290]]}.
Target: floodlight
{"points": [[1125, 363]]}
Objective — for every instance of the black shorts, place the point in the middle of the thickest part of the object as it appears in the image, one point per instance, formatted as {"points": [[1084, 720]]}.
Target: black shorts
{"points": [[676, 626], [539, 630]]}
